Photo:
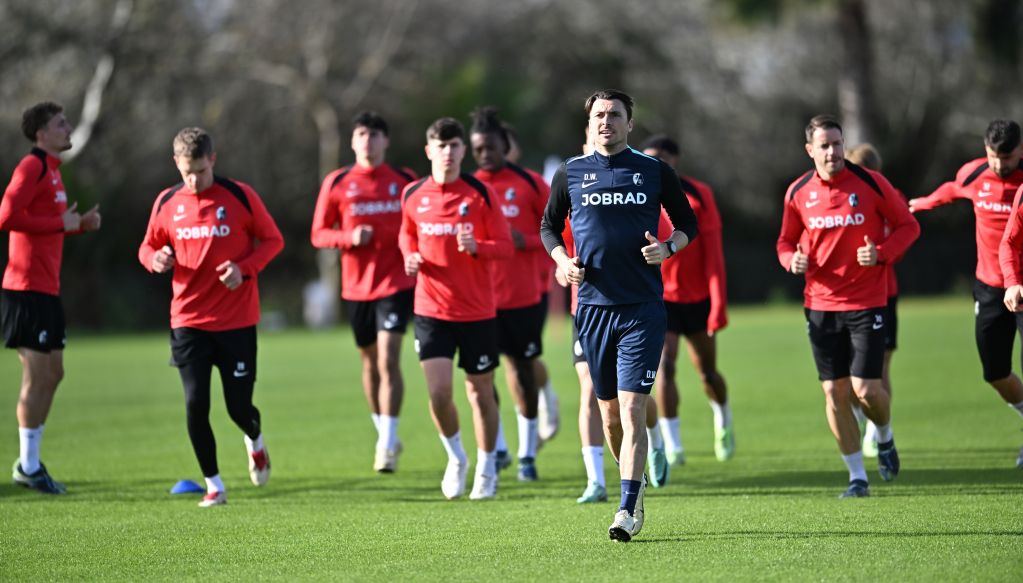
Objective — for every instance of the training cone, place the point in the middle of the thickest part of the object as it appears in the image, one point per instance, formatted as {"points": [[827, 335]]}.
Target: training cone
{"points": [[187, 487]]}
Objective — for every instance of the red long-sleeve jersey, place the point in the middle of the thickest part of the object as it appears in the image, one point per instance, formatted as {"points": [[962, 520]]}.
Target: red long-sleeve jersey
{"points": [[221, 223], [698, 271], [992, 202], [31, 210], [837, 215], [453, 285], [893, 282], [1011, 246], [570, 250], [355, 196], [522, 196]]}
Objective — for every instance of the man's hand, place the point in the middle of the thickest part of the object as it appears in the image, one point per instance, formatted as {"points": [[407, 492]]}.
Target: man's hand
{"points": [[90, 220], [867, 255], [412, 263], [559, 276], [1012, 298], [800, 261], [655, 252], [911, 204], [466, 242], [232, 277], [361, 235], [163, 260], [518, 239], [575, 273], [72, 220]]}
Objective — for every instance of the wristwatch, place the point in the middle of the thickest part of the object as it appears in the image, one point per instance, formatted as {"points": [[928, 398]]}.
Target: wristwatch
{"points": [[672, 248]]}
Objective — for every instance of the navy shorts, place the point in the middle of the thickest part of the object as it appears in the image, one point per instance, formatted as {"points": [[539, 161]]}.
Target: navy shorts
{"points": [[622, 346]]}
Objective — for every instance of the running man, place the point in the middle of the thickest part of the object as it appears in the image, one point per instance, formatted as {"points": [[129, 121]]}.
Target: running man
{"points": [[35, 212], [359, 212], [1009, 255], [450, 233], [615, 195], [522, 196], [990, 183], [842, 208], [696, 302], [205, 229]]}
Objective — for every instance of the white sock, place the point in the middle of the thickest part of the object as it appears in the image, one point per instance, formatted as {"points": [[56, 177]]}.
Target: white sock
{"points": [[855, 464], [502, 445], [214, 485], [884, 432], [528, 435], [870, 433], [1018, 407], [671, 433], [653, 434], [388, 430], [254, 445], [486, 463], [376, 421], [861, 417], [722, 414], [30, 439], [453, 445], [593, 458]]}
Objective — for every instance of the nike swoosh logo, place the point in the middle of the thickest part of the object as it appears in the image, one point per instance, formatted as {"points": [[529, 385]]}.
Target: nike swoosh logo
{"points": [[482, 366], [646, 384], [55, 182], [423, 209], [585, 185], [179, 217], [983, 194], [878, 326], [239, 373], [810, 204], [351, 193]]}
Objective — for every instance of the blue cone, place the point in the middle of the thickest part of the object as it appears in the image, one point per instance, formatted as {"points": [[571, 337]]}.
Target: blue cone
{"points": [[187, 487]]}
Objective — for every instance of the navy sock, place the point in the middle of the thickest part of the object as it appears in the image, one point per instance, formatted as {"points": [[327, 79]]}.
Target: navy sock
{"points": [[630, 492]]}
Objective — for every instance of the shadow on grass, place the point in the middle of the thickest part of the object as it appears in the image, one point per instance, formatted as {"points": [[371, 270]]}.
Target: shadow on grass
{"points": [[781, 535]]}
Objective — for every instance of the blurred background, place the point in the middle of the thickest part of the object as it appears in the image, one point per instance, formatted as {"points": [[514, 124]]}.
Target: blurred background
{"points": [[275, 82]]}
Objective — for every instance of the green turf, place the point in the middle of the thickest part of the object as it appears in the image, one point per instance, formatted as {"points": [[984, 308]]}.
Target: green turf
{"points": [[117, 438]]}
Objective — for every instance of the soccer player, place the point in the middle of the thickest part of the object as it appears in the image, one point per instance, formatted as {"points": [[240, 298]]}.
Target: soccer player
{"points": [[35, 211], [359, 212], [450, 233], [990, 184], [867, 156], [696, 303], [842, 209], [522, 196], [205, 229], [615, 195], [1009, 256]]}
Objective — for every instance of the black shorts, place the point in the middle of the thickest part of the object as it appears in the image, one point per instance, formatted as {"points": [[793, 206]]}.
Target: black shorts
{"points": [[545, 302], [33, 320], [388, 314], [520, 331], [996, 328], [577, 347], [847, 343], [686, 319], [233, 350], [476, 342], [891, 327]]}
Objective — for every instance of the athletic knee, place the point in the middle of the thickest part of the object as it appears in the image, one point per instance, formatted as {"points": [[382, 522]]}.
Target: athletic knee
{"points": [[668, 368], [836, 391]]}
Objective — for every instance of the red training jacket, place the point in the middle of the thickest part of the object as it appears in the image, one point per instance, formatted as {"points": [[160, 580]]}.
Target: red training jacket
{"points": [[206, 229], [1011, 246]]}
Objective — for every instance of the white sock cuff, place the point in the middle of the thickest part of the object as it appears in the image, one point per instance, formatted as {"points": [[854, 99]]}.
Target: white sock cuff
{"points": [[654, 437], [854, 463], [884, 432], [214, 484], [254, 445]]}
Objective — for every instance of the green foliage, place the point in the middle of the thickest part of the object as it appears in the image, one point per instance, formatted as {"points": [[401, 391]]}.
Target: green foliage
{"points": [[117, 438]]}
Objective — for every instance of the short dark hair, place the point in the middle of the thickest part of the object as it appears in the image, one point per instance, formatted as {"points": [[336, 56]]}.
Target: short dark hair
{"points": [[484, 121], [865, 155], [372, 120], [1002, 135], [444, 129], [611, 94], [193, 143], [661, 143], [36, 117], [821, 122]]}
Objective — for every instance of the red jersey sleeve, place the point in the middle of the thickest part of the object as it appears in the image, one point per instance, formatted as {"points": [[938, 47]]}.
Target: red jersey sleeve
{"points": [[945, 194], [714, 265], [664, 226], [265, 231], [19, 194], [408, 237], [156, 237], [1012, 243], [904, 227], [326, 215], [791, 231], [499, 245], [533, 240]]}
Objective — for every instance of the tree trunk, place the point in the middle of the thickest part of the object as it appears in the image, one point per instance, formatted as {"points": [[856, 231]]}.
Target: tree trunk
{"points": [[861, 120]]}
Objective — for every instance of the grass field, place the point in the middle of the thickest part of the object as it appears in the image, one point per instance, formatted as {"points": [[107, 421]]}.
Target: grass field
{"points": [[117, 438]]}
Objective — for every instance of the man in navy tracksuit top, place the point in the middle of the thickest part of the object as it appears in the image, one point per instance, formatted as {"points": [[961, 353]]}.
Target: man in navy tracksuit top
{"points": [[615, 196]]}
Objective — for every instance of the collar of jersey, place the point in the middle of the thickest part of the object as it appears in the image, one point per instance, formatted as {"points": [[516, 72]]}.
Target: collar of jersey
{"points": [[607, 160], [51, 160]]}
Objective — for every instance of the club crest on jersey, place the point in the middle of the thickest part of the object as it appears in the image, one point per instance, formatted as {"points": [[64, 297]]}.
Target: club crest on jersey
{"points": [[181, 208], [987, 186], [221, 213], [853, 201], [509, 194], [463, 209], [393, 189], [637, 179], [425, 201], [813, 194]]}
